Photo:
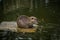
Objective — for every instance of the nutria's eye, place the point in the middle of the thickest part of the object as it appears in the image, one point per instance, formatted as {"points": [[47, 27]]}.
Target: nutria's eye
{"points": [[32, 18]]}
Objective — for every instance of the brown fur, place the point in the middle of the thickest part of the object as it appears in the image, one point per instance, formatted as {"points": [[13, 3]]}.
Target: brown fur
{"points": [[24, 21]]}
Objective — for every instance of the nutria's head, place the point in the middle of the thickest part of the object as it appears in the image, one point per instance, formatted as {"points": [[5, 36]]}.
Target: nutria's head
{"points": [[33, 19]]}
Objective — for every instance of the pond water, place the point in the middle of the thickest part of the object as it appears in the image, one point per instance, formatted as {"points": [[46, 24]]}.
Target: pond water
{"points": [[47, 11]]}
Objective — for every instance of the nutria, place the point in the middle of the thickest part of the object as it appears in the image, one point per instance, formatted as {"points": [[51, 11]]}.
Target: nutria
{"points": [[24, 21]]}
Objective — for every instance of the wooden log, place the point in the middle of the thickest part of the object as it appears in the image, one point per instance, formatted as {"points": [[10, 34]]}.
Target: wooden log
{"points": [[6, 25], [27, 30], [12, 26]]}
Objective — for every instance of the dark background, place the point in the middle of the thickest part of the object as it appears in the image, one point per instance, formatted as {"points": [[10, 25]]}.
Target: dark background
{"points": [[47, 11], [50, 10]]}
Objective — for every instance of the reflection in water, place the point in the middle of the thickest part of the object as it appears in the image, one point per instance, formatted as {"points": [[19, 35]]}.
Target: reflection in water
{"points": [[46, 2]]}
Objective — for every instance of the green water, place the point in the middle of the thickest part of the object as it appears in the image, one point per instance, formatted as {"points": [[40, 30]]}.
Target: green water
{"points": [[49, 14], [50, 26]]}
